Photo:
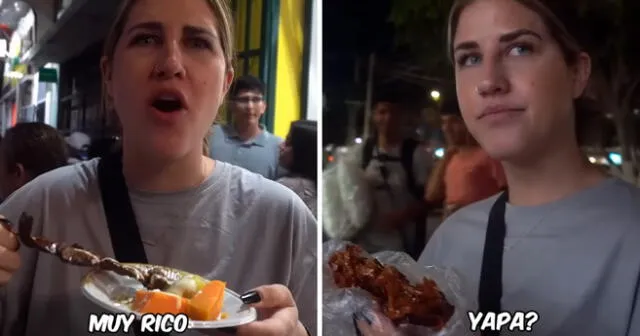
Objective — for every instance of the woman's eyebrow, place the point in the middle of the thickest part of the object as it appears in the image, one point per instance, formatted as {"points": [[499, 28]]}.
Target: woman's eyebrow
{"points": [[149, 25], [511, 36], [188, 30], [504, 38]]}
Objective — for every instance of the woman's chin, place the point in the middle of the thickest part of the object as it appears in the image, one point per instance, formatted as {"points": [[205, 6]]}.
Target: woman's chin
{"points": [[506, 151]]}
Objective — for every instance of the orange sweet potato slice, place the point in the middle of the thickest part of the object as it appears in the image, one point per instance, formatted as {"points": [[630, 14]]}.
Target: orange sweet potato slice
{"points": [[155, 302], [206, 305]]}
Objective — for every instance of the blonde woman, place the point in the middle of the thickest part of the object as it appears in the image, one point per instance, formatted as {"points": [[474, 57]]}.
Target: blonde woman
{"points": [[166, 69], [563, 241]]}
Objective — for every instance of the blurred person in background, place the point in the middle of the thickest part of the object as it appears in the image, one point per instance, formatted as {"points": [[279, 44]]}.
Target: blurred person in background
{"points": [[245, 142], [102, 146], [27, 151], [466, 174], [78, 145], [395, 166], [299, 156]]}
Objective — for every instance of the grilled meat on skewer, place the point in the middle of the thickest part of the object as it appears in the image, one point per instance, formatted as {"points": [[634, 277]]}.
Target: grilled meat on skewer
{"points": [[74, 254], [419, 304]]}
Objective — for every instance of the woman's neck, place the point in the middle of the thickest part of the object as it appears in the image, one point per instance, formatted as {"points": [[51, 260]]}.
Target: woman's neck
{"points": [[149, 174], [550, 178]]}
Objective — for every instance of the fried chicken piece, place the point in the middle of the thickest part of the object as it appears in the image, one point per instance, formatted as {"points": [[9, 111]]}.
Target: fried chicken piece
{"points": [[419, 304]]}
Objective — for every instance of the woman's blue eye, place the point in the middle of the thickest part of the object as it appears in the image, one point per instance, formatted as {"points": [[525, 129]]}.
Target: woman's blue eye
{"points": [[199, 44], [520, 50], [145, 40], [468, 60]]}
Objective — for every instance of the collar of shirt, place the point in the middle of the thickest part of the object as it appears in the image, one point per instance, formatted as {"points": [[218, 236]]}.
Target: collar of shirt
{"points": [[259, 140]]}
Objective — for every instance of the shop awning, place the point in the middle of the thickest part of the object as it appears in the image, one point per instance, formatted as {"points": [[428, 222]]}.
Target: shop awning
{"points": [[84, 23]]}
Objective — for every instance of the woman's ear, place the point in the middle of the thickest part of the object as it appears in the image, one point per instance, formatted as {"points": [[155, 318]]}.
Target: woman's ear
{"points": [[106, 71], [20, 173], [582, 72], [228, 79]]}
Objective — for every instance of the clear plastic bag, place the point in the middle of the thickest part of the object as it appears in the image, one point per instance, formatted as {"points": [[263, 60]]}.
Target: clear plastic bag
{"points": [[339, 304], [346, 198]]}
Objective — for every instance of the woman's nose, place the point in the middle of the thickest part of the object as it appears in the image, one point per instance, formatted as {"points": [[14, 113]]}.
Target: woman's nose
{"points": [[494, 80], [170, 63]]}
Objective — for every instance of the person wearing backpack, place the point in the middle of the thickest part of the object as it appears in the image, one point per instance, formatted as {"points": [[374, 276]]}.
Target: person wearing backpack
{"points": [[396, 167]]}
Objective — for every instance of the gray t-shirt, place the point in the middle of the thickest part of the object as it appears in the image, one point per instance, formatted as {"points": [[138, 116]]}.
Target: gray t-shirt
{"points": [[236, 226], [575, 261]]}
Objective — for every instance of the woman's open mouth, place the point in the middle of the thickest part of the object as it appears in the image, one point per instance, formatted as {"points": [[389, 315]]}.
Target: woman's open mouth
{"points": [[167, 104]]}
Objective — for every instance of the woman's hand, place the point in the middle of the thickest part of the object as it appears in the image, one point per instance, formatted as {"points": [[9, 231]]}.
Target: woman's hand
{"points": [[278, 311], [373, 323], [370, 323]]}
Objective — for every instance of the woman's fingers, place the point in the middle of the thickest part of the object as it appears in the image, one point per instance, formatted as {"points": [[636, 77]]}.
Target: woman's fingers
{"points": [[284, 322], [369, 323], [277, 303], [8, 240], [269, 296]]}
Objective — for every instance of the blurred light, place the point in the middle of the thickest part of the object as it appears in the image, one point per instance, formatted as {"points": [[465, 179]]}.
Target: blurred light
{"points": [[358, 140], [343, 149], [439, 152], [615, 158], [14, 75], [330, 158], [435, 95], [592, 159]]}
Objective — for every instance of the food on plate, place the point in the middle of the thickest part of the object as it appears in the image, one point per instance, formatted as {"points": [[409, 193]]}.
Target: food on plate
{"points": [[74, 254], [420, 304], [158, 302], [202, 303], [207, 304], [191, 295], [187, 286]]}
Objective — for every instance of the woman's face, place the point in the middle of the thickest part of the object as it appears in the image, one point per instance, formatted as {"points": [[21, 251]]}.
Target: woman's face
{"points": [[286, 153], [514, 87], [168, 76]]}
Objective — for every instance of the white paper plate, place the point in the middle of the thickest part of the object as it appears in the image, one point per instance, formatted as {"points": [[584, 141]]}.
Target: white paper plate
{"points": [[101, 287]]}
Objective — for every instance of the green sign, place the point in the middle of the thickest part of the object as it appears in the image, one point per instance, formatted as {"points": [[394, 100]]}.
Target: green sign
{"points": [[48, 75]]}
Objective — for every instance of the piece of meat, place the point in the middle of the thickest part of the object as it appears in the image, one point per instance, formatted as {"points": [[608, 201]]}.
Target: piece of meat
{"points": [[420, 304]]}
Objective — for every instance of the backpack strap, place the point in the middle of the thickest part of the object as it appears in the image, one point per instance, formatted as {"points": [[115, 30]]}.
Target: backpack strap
{"points": [[367, 151], [409, 147]]}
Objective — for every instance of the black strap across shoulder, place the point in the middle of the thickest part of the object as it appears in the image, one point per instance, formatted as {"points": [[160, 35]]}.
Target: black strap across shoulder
{"points": [[123, 228], [490, 289], [121, 220]]}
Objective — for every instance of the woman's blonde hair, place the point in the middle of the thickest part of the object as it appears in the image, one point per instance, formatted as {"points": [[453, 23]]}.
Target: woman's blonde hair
{"points": [[222, 13]]}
